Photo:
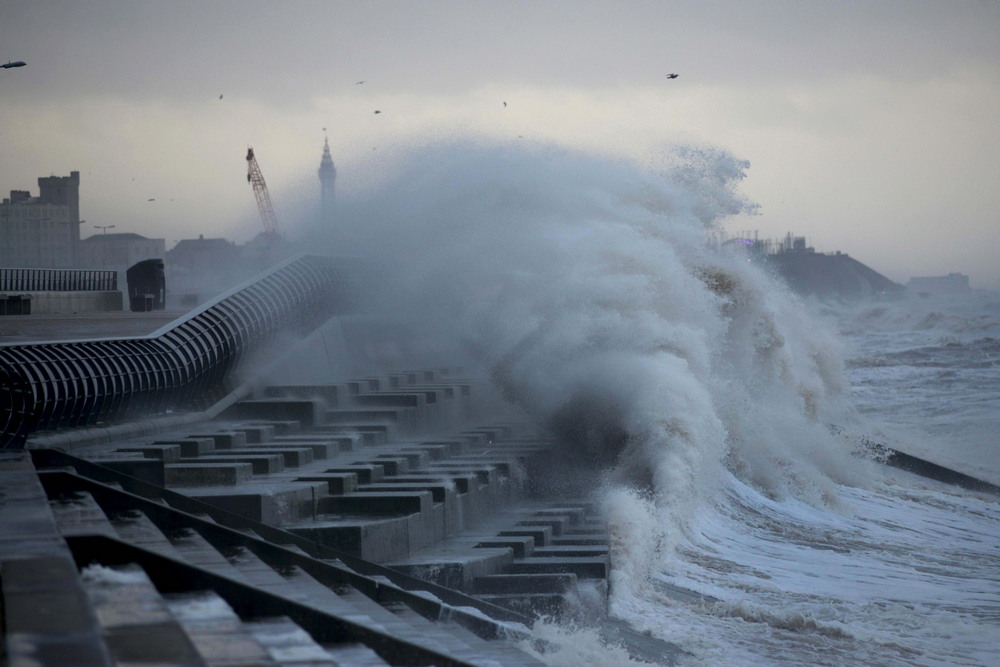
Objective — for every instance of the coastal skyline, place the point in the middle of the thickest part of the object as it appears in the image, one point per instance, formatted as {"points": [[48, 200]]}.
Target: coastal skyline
{"points": [[870, 127]]}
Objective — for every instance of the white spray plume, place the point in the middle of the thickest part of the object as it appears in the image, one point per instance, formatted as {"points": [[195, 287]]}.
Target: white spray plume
{"points": [[586, 288]]}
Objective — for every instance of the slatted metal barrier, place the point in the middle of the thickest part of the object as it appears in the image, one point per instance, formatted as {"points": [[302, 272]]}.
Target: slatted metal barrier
{"points": [[183, 366], [57, 280]]}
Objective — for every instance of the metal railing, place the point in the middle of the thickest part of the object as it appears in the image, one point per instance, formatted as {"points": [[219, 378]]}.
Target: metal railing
{"points": [[57, 280], [183, 366]]}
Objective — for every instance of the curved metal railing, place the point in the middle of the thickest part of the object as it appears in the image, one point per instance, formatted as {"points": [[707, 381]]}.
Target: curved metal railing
{"points": [[183, 366]]}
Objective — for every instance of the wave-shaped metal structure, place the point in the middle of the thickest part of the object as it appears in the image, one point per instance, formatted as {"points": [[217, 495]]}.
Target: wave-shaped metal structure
{"points": [[183, 366]]}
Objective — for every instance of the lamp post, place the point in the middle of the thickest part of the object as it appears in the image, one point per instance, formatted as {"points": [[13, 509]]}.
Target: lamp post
{"points": [[104, 227]]}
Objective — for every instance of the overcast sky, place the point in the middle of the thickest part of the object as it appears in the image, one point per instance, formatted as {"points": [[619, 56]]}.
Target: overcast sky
{"points": [[871, 127]]}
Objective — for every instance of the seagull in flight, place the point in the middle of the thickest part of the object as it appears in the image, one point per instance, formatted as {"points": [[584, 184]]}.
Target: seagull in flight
{"points": [[673, 76]]}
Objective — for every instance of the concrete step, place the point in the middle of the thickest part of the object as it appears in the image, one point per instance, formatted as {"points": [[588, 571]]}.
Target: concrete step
{"points": [[79, 514], [293, 456], [584, 567], [273, 501], [287, 644], [136, 623], [378, 539], [385, 503], [307, 412], [190, 446], [517, 584], [454, 565], [207, 474], [136, 528], [354, 654], [260, 464], [165, 453], [218, 634]]}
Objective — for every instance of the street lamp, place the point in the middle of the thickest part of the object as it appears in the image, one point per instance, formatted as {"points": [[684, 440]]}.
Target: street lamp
{"points": [[104, 227]]}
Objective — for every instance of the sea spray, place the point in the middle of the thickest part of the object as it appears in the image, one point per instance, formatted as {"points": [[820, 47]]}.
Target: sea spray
{"points": [[585, 288]]}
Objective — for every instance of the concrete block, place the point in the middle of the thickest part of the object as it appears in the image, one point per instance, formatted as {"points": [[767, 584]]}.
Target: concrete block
{"points": [[261, 464], [165, 453], [292, 456], [541, 534], [224, 439], [321, 449], [330, 395], [563, 551], [367, 473], [340, 443], [592, 567], [384, 503], [521, 545], [305, 411], [207, 474], [338, 483], [377, 540], [512, 584], [256, 433], [191, 446], [276, 504], [148, 470], [456, 571]]}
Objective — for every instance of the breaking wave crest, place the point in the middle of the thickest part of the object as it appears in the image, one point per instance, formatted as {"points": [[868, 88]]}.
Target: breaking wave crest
{"points": [[587, 290]]}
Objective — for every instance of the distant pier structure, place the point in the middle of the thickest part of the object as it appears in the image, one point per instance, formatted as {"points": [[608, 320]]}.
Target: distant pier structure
{"points": [[953, 283], [327, 180]]}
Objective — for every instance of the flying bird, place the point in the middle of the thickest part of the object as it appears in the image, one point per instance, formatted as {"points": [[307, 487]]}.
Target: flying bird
{"points": [[16, 63], [673, 76], [358, 83], [505, 105], [220, 97], [377, 111]]}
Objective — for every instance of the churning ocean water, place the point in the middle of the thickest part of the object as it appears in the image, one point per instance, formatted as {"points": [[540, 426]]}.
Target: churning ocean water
{"points": [[718, 420], [897, 570]]}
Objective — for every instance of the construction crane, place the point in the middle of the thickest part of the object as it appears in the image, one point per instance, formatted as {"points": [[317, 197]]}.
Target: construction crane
{"points": [[256, 179]]}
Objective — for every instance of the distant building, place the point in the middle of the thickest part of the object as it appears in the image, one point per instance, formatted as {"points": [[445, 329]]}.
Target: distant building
{"points": [[327, 180], [197, 269], [953, 283], [42, 231], [119, 251]]}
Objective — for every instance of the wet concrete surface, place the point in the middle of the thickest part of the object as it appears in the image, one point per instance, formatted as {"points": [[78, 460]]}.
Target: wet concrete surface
{"points": [[20, 329]]}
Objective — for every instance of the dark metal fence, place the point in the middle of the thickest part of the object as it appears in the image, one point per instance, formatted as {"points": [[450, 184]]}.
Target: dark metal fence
{"points": [[183, 366], [57, 280]]}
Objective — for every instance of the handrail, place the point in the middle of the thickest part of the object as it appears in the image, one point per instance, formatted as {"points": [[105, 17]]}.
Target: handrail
{"points": [[185, 365], [57, 280]]}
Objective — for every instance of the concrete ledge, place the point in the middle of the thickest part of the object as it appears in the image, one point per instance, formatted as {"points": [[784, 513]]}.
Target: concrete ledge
{"points": [[306, 412], [595, 567], [293, 456], [275, 504], [329, 394], [516, 584], [455, 571], [338, 483], [224, 439], [207, 474], [165, 453], [261, 464], [335, 443], [375, 540], [384, 503], [190, 446]]}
